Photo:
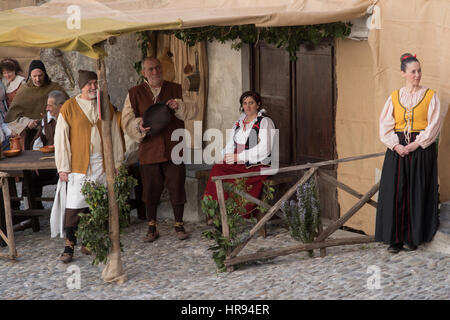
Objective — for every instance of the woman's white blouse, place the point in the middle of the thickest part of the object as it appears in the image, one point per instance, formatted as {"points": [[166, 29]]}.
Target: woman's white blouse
{"points": [[265, 139], [387, 122]]}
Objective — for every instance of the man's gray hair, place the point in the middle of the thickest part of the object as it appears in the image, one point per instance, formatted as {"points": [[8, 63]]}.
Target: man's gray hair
{"points": [[149, 59], [59, 96]]}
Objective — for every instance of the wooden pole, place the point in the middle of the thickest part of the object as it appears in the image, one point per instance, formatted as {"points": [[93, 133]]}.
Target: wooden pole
{"points": [[113, 271], [8, 217], [265, 172], [323, 251], [340, 222], [273, 253], [223, 214], [344, 187]]}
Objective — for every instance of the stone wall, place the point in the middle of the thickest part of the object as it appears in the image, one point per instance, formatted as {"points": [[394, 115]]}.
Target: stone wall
{"points": [[225, 86], [120, 72]]}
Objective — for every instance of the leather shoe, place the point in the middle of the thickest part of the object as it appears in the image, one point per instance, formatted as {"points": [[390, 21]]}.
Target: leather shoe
{"points": [[85, 251], [66, 257], [409, 247], [395, 248], [151, 236], [181, 233]]}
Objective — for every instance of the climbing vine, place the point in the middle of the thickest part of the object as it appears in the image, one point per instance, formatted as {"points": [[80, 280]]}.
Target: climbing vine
{"points": [[289, 38], [143, 43]]}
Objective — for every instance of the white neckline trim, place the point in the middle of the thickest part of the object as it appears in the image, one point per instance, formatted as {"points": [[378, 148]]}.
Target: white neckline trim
{"points": [[13, 85]]}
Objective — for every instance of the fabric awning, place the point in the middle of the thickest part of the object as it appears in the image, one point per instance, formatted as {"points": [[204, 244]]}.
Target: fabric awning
{"points": [[55, 24]]}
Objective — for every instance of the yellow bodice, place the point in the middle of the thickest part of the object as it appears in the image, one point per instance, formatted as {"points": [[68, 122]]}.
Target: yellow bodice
{"points": [[414, 119]]}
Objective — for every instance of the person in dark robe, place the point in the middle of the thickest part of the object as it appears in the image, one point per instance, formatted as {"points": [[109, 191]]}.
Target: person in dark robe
{"points": [[25, 112], [407, 211]]}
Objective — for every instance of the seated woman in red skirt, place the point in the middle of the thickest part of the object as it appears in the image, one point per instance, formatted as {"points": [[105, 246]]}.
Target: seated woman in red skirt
{"points": [[248, 148]]}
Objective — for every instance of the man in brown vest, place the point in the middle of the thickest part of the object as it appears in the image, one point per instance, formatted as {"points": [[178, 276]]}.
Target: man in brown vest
{"points": [[79, 157], [156, 167]]}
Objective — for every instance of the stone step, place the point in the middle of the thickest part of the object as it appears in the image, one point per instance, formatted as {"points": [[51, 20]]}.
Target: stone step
{"points": [[441, 241]]}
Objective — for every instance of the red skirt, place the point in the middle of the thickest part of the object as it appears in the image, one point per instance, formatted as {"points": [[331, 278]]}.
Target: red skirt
{"points": [[227, 169]]}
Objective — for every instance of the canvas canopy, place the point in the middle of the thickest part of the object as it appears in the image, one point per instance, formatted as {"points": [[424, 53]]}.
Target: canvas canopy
{"points": [[77, 25]]}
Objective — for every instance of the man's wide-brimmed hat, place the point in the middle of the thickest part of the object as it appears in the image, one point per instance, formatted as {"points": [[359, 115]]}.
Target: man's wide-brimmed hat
{"points": [[157, 117]]}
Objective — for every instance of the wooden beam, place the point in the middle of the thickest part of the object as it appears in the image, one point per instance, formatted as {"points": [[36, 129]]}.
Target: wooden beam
{"points": [[272, 211], [254, 200], [113, 271], [340, 222], [268, 254], [223, 215], [269, 171], [344, 187], [323, 251], [4, 237], [222, 209]]}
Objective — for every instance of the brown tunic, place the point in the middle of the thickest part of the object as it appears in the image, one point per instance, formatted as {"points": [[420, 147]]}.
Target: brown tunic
{"points": [[47, 138], [156, 149]]}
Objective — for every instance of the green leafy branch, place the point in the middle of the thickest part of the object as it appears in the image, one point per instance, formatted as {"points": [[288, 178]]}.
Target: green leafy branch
{"points": [[93, 228], [143, 43], [238, 228]]}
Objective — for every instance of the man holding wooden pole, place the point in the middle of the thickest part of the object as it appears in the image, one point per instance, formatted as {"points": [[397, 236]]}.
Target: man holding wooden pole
{"points": [[79, 153]]}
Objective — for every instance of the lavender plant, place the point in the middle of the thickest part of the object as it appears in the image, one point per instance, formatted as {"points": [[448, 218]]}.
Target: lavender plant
{"points": [[303, 214]]}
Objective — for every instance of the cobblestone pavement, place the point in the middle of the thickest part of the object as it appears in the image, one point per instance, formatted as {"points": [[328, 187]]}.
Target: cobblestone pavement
{"points": [[174, 269]]}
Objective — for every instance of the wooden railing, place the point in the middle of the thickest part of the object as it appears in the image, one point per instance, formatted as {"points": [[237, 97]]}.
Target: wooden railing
{"points": [[320, 241]]}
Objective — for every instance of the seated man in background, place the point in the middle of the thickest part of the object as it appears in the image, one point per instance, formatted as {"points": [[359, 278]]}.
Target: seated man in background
{"points": [[45, 137]]}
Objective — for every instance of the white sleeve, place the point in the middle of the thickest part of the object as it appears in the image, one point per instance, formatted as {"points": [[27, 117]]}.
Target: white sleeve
{"points": [[229, 147], [387, 125], [263, 149], [429, 135], [63, 154], [118, 152], [130, 123]]}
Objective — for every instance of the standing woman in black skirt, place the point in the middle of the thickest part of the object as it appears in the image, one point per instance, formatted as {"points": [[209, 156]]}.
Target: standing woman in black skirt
{"points": [[407, 212]]}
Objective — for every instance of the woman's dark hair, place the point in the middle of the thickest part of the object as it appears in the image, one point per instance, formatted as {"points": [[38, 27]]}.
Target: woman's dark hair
{"points": [[10, 65], [255, 95], [405, 59]]}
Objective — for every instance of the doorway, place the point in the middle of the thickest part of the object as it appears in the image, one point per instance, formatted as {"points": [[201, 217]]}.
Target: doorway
{"points": [[300, 97]]}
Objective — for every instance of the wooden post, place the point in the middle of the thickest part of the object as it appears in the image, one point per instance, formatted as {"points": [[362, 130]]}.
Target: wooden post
{"points": [[323, 251], [113, 271], [222, 208], [223, 215], [8, 217]]}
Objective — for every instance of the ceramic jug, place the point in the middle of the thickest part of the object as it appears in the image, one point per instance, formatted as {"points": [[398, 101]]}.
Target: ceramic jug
{"points": [[15, 143]]}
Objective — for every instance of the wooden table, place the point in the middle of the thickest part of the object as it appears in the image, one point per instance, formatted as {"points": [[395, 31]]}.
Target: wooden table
{"points": [[25, 162], [28, 160]]}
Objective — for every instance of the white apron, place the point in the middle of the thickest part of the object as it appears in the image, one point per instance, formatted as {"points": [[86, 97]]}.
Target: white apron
{"points": [[68, 194]]}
